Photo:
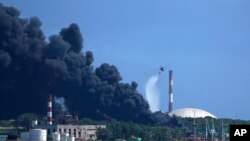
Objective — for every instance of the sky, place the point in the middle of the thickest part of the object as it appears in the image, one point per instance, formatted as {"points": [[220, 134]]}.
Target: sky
{"points": [[205, 42]]}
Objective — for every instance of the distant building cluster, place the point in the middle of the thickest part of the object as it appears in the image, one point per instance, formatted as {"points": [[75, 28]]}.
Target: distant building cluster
{"points": [[79, 132], [70, 131]]}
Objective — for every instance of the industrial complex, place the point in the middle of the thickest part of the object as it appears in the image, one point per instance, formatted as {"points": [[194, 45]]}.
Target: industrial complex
{"points": [[59, 132]]}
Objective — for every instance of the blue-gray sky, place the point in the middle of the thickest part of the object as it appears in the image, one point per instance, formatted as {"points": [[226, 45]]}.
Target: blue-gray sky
{"points": [[205, 42]]}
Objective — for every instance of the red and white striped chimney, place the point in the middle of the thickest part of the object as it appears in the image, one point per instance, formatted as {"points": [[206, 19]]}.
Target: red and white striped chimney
{"points": [[171, 83], [49, 114]]}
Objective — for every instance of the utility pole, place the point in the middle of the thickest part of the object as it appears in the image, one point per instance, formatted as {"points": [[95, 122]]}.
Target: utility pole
{"points": [[206, 130], [222, 131], [212, 130], [194, 127]]}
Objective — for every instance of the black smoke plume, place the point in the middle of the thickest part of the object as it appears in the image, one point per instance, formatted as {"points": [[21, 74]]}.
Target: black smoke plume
{"points": [[32, 68]]}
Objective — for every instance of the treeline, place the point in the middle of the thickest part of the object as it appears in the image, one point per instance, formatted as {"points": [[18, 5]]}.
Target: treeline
{"points": [[115, 129], [125, 130], [176, 128]]}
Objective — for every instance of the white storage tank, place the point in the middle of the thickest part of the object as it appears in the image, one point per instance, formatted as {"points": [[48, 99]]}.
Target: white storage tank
{"points": [[56, 136], [34, 123], [24, 136], [3, 137], [38, 135], [71, 138], [64, 137]]}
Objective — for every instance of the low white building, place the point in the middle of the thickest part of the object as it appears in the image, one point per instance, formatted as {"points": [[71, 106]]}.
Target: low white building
{"points": [[80, 132]]}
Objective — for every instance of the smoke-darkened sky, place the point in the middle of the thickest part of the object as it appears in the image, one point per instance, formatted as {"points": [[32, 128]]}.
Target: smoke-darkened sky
{"points": [[206, 43]]}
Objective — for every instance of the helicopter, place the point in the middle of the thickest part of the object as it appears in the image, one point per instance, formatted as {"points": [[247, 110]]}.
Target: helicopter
{"points": [[161, 69]]}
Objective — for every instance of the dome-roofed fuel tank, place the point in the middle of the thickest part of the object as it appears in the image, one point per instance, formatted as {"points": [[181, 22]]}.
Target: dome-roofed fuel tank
{"points": [[191, 113]]}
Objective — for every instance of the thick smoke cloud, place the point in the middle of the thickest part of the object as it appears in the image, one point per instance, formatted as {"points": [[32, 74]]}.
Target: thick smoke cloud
{"points": [[32, 68], [5, 59]]}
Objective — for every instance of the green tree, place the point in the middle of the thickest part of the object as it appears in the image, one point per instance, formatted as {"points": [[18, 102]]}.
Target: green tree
{"points": [[103, 134], [26, 119]]}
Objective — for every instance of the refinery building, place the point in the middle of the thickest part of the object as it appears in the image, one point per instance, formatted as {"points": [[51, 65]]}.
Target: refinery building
{"points": [[75, 132], [60, 132]]}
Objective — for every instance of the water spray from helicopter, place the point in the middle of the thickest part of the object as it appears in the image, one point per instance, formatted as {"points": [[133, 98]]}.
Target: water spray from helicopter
{"points": [[153, 95]]}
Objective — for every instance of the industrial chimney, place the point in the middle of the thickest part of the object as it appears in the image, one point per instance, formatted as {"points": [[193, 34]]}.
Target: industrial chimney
{"points": [[49, 114], [171, 82]]}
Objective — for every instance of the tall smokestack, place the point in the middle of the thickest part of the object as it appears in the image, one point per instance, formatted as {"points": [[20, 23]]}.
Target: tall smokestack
{"points": [[171, 82], [49, 114]]}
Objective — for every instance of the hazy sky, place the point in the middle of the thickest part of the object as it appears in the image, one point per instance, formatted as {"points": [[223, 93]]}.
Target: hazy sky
{"points": [[205, 42]]}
